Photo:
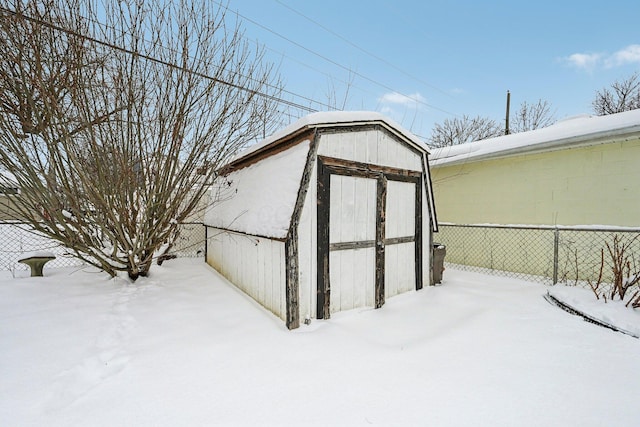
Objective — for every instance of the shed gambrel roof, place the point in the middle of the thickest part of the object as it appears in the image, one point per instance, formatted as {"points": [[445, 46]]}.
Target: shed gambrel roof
{"points": [[259, 199], [324, 120], [567, 133], [258, 191]]}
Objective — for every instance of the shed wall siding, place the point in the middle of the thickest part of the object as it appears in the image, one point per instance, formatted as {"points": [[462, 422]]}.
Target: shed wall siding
{"points": [[307, 250], [597, 184], [352, 218], [256, 265], [400, 222], [369, 146]]}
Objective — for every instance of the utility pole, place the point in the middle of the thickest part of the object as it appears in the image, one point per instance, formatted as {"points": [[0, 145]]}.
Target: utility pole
{"points": [[506, 126]]}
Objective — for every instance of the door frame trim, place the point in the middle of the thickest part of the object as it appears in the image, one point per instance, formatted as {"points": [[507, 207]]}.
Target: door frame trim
{"points": [[328, 166]]}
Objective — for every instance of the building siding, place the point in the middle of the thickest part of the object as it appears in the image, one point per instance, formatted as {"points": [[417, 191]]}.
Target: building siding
{"points": [[373, 146], [256, 265], [597, 184]]}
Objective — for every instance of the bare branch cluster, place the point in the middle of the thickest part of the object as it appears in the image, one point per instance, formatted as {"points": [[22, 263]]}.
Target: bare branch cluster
{"points": [[115, 115], [462, 130], [532, 116], [625, 273], [594, 284], [623, 95], [470, 129]]}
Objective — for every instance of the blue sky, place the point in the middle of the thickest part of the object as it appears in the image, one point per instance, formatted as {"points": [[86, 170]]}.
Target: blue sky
{"points": [[421, 62]]}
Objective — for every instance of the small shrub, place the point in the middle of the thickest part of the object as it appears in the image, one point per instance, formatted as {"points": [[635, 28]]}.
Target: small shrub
{"points": [[624, 272]]}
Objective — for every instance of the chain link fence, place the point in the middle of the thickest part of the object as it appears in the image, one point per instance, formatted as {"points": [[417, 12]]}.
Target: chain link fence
{"points": [[549, 255], [191, 242], [17, 238]]}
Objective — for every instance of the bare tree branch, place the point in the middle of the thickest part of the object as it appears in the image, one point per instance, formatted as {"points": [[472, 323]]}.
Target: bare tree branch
{"points": [[462, 130], [532, 116], [623, 95], [115, 115]]}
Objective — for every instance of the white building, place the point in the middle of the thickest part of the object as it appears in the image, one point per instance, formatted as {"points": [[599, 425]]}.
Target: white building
{"points": [[333, 213]]}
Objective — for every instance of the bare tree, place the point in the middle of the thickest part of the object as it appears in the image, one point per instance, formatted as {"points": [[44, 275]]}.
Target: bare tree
{"points": [[115, 116], [532, 116], [461, 130], [623, 95]]}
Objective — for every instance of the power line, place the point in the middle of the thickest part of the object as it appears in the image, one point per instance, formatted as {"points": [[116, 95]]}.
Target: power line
{"points": [[258, 45], [324, 73], [165, 63], [150, 58], [373, 55], [330, 60]]}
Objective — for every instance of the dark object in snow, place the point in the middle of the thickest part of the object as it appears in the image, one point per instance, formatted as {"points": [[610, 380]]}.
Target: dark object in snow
{"points": [[165, 257], [36, 262], [439, 251], [566, 307]]}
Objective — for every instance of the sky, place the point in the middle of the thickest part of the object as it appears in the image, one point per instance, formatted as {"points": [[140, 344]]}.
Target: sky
{"points": [[422, 62]]}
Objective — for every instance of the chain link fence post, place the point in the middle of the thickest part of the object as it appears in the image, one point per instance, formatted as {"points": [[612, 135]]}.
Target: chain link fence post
{"points": [[556, 242], [206, 241]]}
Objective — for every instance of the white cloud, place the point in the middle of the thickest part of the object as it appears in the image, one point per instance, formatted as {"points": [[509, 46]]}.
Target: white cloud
{"points": [[398, 98], [589, 61], [584, 60], [628, 55]]}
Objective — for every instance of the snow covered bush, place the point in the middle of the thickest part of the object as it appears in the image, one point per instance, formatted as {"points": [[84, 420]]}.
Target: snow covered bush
{"points": [[115, 115]]}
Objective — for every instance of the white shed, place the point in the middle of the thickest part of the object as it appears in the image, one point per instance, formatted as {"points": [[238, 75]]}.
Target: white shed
{"points": [[333, 213]]}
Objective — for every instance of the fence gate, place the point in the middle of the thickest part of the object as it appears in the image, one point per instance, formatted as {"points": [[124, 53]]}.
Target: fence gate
{"points": [[369, 234]]}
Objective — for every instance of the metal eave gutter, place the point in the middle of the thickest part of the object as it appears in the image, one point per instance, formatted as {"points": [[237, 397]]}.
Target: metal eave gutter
{"points": [[576, 141]]}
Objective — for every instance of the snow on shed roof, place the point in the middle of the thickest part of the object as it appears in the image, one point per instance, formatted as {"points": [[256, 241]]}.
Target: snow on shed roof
{"points": [[332, 119], [572, 131], [259, 199]]}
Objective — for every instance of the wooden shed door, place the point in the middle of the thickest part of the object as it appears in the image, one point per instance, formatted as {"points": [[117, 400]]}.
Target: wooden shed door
{"points": [[369, 234], [352, 234], [400, 242]]}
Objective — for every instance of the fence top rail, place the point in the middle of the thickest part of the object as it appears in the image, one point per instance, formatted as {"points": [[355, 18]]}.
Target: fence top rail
{"points": [[596, 228]]}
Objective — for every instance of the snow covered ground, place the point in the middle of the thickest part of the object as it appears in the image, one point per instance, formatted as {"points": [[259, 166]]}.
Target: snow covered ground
{"points": [[184, 348]]}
